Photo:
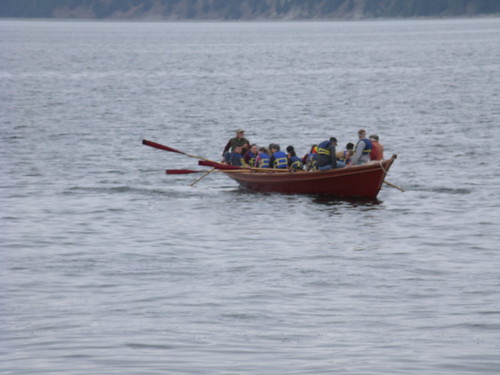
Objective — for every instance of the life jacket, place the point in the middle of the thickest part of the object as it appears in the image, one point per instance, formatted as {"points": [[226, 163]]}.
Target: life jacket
{"points": [[236, 159], [251, 160], [322, 148], [344, 157], [377, 151], [310, 157], [280, 160], [296, 163], [312, 161], [368, 146], [264, 160]]}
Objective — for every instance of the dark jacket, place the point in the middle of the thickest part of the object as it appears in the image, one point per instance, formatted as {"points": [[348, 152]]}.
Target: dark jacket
{"points": [[326, 154], [234, 142]]}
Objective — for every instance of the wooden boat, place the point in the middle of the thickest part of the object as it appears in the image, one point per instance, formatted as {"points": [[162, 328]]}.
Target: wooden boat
{"points": [[360, 181]]}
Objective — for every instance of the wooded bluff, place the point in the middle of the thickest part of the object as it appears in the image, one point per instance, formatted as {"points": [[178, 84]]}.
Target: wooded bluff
{"points": [[245, 9]]}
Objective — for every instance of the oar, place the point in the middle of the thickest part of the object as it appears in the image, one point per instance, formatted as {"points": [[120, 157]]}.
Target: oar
{"points": [[181, 171], [202, 177], [188, 171], [395, 186], [217, 170], [225, 168], [166, 148], [208, 162]]}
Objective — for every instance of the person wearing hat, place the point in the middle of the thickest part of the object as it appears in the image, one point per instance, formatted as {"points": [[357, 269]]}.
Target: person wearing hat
{"points": [[378, 148], [239, 140], [362, 150]]}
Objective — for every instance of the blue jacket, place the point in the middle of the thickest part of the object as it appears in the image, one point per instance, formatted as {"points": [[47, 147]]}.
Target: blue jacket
{"points": [[236, 159], [280, 160], [368, 146], [250, 159], [295, 163], [264, 160]]}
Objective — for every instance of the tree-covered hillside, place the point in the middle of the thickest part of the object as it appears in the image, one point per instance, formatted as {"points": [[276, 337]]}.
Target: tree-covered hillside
{"points": [[245, 9]]}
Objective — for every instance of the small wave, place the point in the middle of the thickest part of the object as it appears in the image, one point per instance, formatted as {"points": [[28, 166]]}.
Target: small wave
{"points": [[240, 316], [174, 191], [476, 326], [148, 346], [77, 355], [440, 189], [115, 189]]}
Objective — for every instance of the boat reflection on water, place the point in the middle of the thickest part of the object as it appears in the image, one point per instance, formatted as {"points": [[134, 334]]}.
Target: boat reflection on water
{"points": [[328, 200]]}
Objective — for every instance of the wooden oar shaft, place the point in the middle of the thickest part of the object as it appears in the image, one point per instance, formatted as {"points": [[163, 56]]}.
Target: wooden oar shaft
{"points": [[226, 168], [394, 186], [209, 163], [189, 171], [202, 177]]}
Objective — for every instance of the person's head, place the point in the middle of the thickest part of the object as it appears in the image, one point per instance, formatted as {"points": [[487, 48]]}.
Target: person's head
{"points": [[362, 133], [240, 133], [314, 149], [254, 149], [333, 141], [373, 138], [349, 146], [264, 150], [274, 147], [238, 149], [290, 151]]}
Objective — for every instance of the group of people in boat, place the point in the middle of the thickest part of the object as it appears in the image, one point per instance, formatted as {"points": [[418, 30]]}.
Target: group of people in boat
{"points": [[323, 156]]}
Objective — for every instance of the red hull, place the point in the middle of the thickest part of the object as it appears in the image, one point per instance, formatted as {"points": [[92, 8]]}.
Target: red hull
{"points": [[363, 181]]}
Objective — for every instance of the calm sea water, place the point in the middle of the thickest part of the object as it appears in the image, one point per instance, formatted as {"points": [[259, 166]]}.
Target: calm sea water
{"points": [[109, 266]]}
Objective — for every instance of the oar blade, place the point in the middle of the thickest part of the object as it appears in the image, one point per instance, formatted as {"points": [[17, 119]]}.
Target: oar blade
{"points": [[159, 146], [181, 171]]}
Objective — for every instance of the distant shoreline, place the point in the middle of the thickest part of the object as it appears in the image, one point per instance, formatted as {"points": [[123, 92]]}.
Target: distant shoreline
{"points": [[257, 20]]}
